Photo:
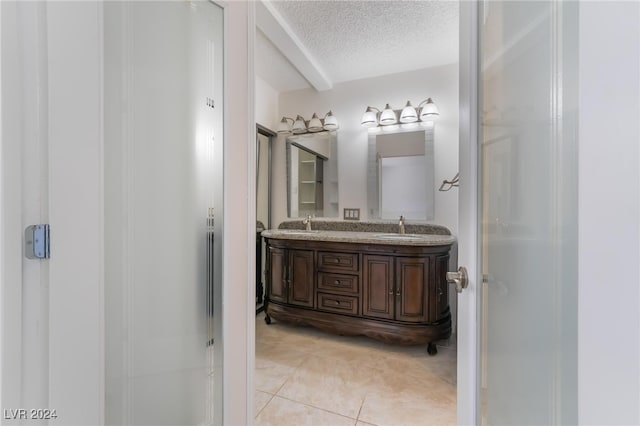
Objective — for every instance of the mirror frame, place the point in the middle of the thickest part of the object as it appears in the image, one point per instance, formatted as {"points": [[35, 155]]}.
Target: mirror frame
{"points": [[271, 135]]}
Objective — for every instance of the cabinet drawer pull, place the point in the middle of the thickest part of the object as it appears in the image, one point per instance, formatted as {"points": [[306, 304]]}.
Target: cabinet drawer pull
{"points": [[336, 260], [337, 282]]}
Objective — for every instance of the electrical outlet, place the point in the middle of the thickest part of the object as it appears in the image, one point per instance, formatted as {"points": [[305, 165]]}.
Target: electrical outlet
{"points": [[351, 214]]}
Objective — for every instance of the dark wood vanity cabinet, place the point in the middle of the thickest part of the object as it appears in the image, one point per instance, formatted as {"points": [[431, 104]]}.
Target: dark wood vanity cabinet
{"points": [[394, 293], [397, 288], [290, 276]]}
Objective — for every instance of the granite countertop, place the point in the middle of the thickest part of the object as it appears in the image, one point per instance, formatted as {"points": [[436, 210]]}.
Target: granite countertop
{"points": [[361, 237], [377, 226]]}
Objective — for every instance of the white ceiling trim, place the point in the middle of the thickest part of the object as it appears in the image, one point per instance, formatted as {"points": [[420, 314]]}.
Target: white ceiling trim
{"points": [[276, 29]]}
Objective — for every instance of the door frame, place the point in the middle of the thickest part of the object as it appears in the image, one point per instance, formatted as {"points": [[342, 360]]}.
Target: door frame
{"points": [[468, 241]]}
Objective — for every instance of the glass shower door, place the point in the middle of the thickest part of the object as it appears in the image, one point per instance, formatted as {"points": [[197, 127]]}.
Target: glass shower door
{"points": [[528, 219], [163, 184]]}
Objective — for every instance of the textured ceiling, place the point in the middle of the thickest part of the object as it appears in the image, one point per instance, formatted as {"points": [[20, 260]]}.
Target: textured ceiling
{"points": [[351, 40]]}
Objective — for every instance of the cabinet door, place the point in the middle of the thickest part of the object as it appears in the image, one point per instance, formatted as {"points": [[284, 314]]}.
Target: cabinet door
{"points": [[378, 292], [439, 290], [412, 288], [301, 275], [276, 284]]}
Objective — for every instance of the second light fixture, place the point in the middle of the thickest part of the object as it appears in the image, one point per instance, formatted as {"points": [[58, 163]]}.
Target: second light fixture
{"points": [[409, 114]]}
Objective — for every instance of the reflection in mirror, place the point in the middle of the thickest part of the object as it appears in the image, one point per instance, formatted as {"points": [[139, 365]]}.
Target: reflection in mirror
{"points": [[312, 175], [400, 178]]}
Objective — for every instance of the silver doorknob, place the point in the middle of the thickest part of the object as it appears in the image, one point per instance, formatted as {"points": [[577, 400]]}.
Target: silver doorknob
{"points": [[459, 278]]}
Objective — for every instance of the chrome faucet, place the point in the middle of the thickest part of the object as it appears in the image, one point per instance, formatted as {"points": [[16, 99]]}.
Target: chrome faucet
{"points": [[307, 222], [401, 225]]}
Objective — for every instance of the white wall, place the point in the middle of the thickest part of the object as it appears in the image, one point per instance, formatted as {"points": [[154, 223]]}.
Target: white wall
{"points": [[348, 102], [239, 215], [609, 206], [266, 108]]}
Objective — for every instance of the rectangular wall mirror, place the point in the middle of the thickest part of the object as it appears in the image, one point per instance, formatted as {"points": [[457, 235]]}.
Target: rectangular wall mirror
{"points": [[312, 175], [400, 174]]}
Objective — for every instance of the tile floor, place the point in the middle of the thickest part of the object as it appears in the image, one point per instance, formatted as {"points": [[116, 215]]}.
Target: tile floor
{"points": [[307, 377]]}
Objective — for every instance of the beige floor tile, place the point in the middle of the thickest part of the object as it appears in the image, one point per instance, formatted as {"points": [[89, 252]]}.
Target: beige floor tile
{"points": [[284, 412], [305, 339], [444, 364], [260, 400], [357, 377], [337, 386], [406, 410], [274, 365], [405, 399]]}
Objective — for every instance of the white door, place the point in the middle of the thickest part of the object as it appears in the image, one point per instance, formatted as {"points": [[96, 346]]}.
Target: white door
{"points": [[50, 157], [163, 175], [109, 135], [525, 214], [24, 189]]}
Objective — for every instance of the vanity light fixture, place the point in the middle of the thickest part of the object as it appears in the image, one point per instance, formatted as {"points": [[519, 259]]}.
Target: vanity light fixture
{"points": [[299, 126], [370, 117], [330, 122], [284, 126], [316, 124], [388, 116], [427, 111], [408, 114]]}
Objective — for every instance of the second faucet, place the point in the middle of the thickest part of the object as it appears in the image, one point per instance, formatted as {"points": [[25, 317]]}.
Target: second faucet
{"points": [[307, 222]]}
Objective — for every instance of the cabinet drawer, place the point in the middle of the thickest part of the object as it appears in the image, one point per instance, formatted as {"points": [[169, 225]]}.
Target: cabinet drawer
{"points": [[338, 282], [338, 303], [329, 261]]}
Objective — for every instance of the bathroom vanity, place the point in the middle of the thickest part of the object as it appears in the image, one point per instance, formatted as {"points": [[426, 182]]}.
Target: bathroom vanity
{"points": [[384, 285]]}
